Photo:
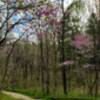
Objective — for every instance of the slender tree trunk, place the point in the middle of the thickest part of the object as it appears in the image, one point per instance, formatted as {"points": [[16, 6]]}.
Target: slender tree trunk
{"points": [[55, 64], [42, 65], [96, 67], [94, 87], [63, 50], [47, 67]]}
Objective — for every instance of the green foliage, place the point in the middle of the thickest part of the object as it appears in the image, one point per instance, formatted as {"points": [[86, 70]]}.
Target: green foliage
{"points": [[30, 61], [77, 6], [94, 25], [73, 95], [72, 18]]}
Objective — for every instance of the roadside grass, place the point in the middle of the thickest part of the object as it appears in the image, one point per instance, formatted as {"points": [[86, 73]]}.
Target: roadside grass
{"points": [[6, 97], [73, 95]]}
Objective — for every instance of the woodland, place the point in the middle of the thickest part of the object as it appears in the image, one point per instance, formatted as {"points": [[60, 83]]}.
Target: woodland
{"points": [[50, 49]]}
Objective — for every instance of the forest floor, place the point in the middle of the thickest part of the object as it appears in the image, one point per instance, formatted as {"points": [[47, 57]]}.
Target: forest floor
{"points": [[28, 94], [17, 95]]}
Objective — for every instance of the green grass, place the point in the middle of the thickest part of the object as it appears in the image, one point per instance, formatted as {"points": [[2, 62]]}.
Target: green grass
{"points": [[30, 93], [6, 97], [73, 95]]}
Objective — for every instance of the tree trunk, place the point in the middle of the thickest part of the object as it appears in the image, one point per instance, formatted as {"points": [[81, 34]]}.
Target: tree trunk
{"points": [[63, 51]]}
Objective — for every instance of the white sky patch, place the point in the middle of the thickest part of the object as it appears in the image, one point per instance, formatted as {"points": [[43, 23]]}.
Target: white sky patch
{"points": [[90, 3], [1, 3], [67, 3]]}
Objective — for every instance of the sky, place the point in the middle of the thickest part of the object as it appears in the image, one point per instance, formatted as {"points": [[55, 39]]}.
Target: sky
{"points": [[66, 2], [19, 28]]}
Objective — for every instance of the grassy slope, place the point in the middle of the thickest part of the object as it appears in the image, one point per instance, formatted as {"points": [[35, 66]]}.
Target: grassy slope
{"points": [[6, 97], [39, 95]]}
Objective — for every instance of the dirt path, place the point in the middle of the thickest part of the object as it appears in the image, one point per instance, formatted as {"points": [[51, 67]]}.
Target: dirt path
{"points": [[17, 95]]}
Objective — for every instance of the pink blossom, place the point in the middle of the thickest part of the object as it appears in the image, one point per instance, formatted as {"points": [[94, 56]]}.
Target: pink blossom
{"points": [[46, 11], [81, 41], [40, 34], [68, 62], [52, 21]]}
